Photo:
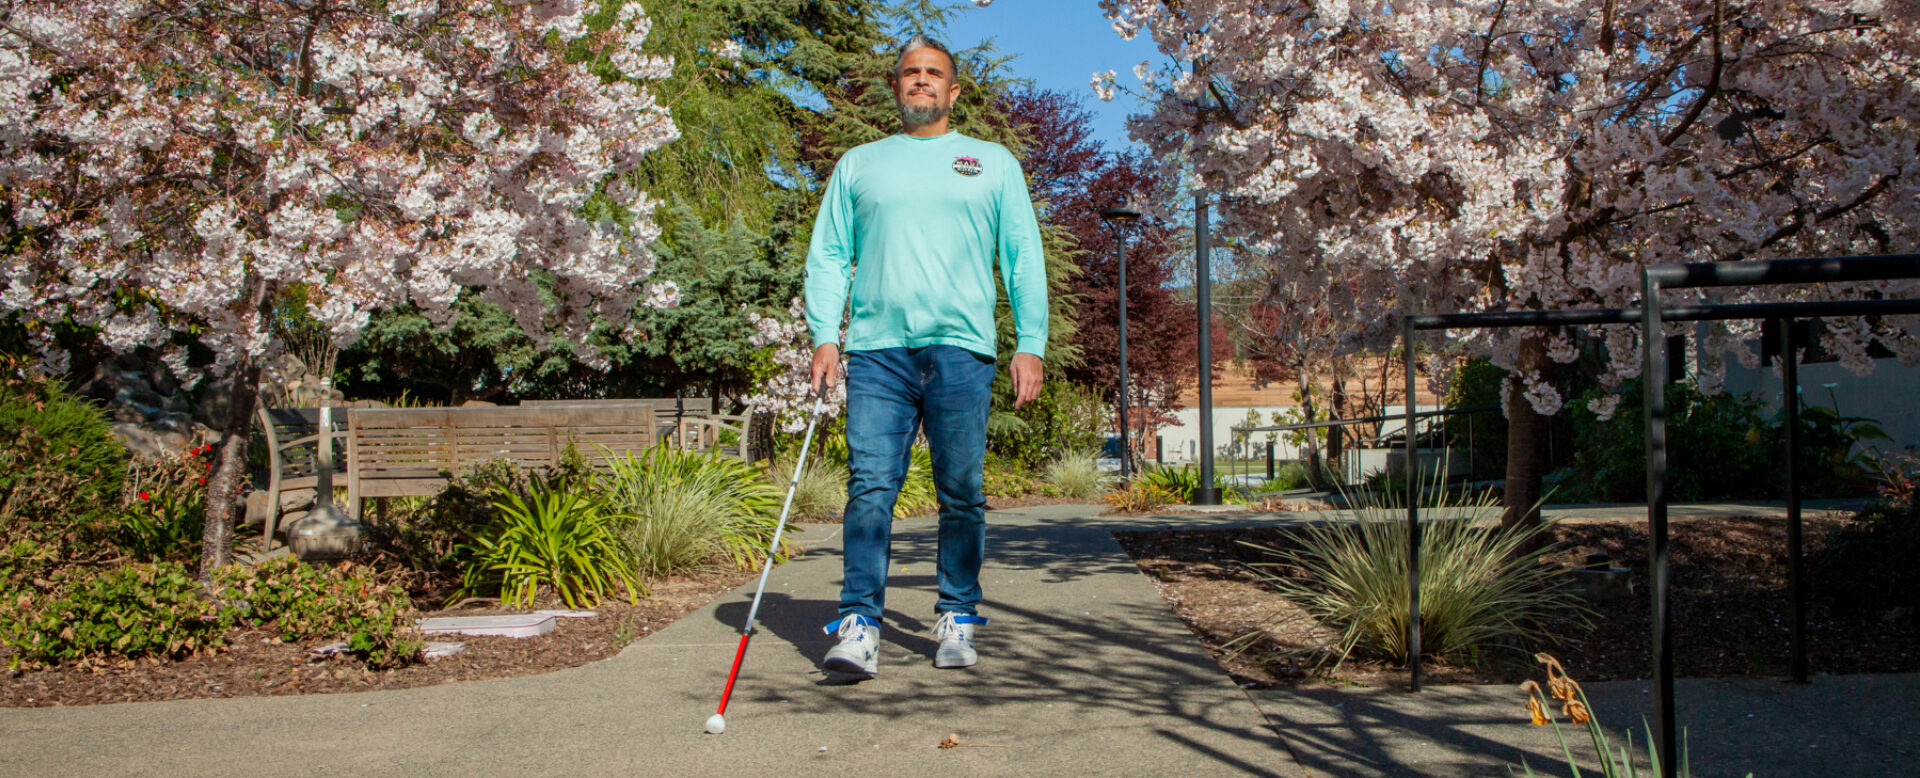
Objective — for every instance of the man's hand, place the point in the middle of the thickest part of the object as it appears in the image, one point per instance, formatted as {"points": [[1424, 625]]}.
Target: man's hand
{"points": [[826, 366], [1027, 370]]}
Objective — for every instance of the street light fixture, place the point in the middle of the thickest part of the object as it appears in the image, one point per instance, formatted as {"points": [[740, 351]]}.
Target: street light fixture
{"points": [[1121, 221]]}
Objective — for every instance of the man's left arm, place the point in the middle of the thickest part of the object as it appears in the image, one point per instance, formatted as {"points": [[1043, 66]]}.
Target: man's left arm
{"points": [[1023, 268]]}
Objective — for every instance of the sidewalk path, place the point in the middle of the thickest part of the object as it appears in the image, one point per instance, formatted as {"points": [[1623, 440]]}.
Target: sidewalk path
{"points": [[1085, 672]]}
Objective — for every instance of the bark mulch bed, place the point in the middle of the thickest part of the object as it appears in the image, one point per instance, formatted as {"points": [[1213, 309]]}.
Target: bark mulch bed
{"points": [[1731, 614], [255, 664]]}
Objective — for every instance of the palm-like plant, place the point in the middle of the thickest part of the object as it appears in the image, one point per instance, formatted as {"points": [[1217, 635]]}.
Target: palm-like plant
{"points": [[558, 538]]}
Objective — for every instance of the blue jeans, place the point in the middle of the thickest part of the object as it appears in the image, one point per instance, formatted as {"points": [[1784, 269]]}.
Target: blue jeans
{"points": [[891, 393]]}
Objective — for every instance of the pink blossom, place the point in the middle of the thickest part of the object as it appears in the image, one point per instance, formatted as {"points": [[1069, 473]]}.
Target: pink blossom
{"points": [[1465, 155], [411, 155]]}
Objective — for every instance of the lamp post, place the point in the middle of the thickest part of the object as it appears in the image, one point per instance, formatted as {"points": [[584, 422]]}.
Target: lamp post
{"points": [[1206, 493], [1121, 221]]}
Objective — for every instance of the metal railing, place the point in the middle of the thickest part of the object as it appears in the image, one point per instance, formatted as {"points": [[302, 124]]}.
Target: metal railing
{"points": [[1651, 316], [1239, 432]]}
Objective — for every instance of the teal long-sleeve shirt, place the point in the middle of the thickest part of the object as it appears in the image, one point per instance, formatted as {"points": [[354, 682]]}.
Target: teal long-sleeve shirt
{"points": [[909, 229]]}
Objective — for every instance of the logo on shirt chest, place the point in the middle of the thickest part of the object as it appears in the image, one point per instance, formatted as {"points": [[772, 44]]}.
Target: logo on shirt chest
{"points": [[966, 166]]}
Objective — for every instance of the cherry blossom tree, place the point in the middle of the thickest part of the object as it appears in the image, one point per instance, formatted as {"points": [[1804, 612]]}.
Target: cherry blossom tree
{"points": [[173, 166], [1470, 155]]}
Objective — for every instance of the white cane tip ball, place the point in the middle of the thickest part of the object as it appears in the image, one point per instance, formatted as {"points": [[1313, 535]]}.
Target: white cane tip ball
{"points": [[716, 724]]}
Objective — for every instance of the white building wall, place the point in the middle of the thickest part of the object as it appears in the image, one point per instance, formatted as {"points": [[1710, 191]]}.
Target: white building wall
{"points": [[1183, 441], [1888, 395]]}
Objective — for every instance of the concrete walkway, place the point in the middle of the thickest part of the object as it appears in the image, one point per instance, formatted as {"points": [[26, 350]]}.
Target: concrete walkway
{"points": [[1085, 671]]}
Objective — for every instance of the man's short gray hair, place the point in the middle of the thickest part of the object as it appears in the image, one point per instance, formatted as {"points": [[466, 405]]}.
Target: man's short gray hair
{"points": [[922, 42]]}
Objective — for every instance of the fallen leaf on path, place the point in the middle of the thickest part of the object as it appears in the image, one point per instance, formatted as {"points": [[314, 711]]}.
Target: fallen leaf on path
{"points": [[952, 740]]}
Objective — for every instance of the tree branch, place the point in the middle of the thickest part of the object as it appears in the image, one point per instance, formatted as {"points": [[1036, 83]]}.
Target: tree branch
{"points": [[1486, 49], [8, 26], [1713, 81]]}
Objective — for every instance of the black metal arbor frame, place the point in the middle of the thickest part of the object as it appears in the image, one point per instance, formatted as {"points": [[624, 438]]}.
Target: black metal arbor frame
{"points": [[1651, 316]]}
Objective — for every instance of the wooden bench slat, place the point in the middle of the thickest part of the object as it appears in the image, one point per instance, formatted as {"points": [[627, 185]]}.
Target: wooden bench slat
{"points": [[407, 452]]}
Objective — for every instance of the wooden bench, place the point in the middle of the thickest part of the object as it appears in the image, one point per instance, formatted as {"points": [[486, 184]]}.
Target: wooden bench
{"points": [[293, 456], [687, 422], [412, 452], [666, 407]]}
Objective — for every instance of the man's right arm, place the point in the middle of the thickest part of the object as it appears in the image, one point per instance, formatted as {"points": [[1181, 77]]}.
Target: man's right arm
{"points": [[830, 259]]}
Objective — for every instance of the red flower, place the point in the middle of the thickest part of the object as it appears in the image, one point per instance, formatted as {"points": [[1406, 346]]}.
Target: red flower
{"points": [[144, 496]]}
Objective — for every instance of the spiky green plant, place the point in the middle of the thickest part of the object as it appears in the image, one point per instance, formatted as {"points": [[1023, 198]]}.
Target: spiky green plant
{"points": [[1479, 588], [1182, 480], [562, 539]]}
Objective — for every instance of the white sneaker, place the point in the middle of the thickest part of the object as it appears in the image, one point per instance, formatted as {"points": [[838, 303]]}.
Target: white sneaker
{"points": [[955, 633], [859, 649]]}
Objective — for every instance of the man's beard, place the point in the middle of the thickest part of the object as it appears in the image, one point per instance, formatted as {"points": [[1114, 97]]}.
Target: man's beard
{"points": [[922, 115]]}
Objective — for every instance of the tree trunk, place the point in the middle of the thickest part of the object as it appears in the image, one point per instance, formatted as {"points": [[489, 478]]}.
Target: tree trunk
{"points": [[225, 498], [1337, 436], [1526, 445], [1315, 471]]}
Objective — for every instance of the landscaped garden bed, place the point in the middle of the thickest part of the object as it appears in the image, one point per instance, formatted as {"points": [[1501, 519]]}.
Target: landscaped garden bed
{"points": [[1731, 611], [255, 663]]}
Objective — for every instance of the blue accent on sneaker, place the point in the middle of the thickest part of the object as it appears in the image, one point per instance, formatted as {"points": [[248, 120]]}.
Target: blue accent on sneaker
{"points": [[865, 621]]}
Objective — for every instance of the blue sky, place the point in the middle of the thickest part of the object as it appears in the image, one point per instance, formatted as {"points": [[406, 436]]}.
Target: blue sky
{"points": [[1060, 43]]}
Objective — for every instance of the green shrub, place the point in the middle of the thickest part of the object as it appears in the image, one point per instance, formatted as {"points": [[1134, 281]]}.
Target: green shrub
{"points": [[1288, 476], [1720, 446], [652, 486], [1867, 564], [1181, 481], [1062, 418], [303, 602], [1140, 497], [132, 610], [1476, 383], [1002, 477], [61, 472], [563, 540], [1478, 591], [1076, 474], [164, 508]]}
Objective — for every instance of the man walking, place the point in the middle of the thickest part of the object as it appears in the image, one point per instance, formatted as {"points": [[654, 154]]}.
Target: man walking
{"points": [[914, 222]]}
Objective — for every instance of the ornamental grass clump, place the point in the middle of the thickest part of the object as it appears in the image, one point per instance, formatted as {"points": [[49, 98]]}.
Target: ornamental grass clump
{"points": [[821, 494], [683, 510], [1481, 589], [1075, 474]]}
